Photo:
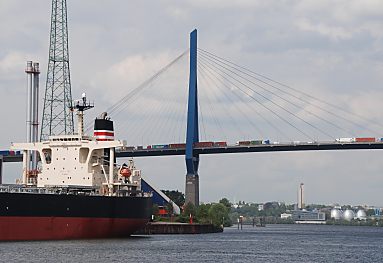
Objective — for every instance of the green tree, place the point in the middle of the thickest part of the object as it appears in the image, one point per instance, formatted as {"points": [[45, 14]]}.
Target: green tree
{"points": [[203, 213], [218, 213], [189, 209], [226, 203]]}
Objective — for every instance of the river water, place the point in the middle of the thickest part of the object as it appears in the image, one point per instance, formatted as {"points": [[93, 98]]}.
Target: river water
{"points": [[273, 243]]}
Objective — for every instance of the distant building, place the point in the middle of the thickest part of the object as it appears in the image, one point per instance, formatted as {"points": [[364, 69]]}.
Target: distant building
{"points": [[260, 207], [308, 217], [286, 216]]}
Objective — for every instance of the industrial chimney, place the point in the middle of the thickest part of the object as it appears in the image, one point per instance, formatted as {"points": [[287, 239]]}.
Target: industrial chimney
{"points": [[300, 197]]}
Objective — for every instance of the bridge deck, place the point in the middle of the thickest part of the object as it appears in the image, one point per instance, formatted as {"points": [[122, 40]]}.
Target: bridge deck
{"points": [[240, 149], [255, 148]]}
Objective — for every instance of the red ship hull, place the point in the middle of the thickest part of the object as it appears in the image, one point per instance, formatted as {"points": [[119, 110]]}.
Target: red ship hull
{"points": [[55, 228], [29, 216]]}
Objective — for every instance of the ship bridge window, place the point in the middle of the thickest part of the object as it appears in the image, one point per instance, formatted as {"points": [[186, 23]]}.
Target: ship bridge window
{"points": [[83, 154], [47, 155]]}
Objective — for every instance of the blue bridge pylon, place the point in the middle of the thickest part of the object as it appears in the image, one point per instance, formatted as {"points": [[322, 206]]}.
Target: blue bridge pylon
{"points": [[192, 136]]}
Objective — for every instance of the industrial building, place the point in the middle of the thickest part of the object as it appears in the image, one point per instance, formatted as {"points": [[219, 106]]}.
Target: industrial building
{"points": [[308, 217]]}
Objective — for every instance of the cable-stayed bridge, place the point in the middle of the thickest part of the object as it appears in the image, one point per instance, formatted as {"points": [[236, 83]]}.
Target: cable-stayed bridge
{"points": [[228, 108]]}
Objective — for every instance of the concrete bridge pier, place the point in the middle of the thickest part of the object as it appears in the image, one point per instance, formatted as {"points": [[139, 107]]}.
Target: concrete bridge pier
{"points": [[192, 189]]}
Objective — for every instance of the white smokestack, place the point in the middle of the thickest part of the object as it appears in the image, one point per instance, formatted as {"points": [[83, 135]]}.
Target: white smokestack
{"points": [[35, 112], [29, 70], [33, 72]]}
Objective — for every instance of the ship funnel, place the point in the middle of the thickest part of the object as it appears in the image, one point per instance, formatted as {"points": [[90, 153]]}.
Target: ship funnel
{"points": [[103, 128]]}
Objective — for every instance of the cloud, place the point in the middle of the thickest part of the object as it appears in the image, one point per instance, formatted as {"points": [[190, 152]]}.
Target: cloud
{"points": [[334, 33], [11, 64], [329, 49]]}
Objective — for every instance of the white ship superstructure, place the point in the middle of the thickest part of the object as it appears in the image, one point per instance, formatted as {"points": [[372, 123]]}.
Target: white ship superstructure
{"points": [[80, 161]]}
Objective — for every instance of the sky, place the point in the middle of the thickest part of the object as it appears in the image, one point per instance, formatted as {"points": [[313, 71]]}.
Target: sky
{"points": [[330, 49]]}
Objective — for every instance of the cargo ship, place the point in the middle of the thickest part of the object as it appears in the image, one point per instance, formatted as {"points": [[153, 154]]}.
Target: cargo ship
{"points": [[72, 188]]}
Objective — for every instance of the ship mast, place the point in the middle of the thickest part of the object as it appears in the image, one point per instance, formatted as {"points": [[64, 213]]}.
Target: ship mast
{"points": [[81, 106]]}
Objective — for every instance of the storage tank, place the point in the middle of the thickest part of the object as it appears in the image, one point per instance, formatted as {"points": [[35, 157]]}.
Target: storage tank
{"points": [[361, 214], [336, 214], [348, 215]]}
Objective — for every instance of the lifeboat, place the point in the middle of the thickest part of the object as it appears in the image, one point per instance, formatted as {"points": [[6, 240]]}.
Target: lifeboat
{"points": [[125, 172]]}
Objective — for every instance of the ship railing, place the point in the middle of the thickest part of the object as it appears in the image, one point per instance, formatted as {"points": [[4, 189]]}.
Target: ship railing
{"points": [[73, 189], [131, 191], [15, 188], [68, 190], [12, 188]]}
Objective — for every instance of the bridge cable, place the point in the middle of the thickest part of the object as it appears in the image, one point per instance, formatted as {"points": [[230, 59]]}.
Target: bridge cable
{"points": [[242, 100], [203, 77], [260, 103], [159, 123], [298, 91], [144, 84], [172, 120], [212, 116], [288, 93], [282, 98], [233, 120], [138, 89], [181, 120], [153, 119], [276, 104], [201, 117], [148, 121], [212, 82]]}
